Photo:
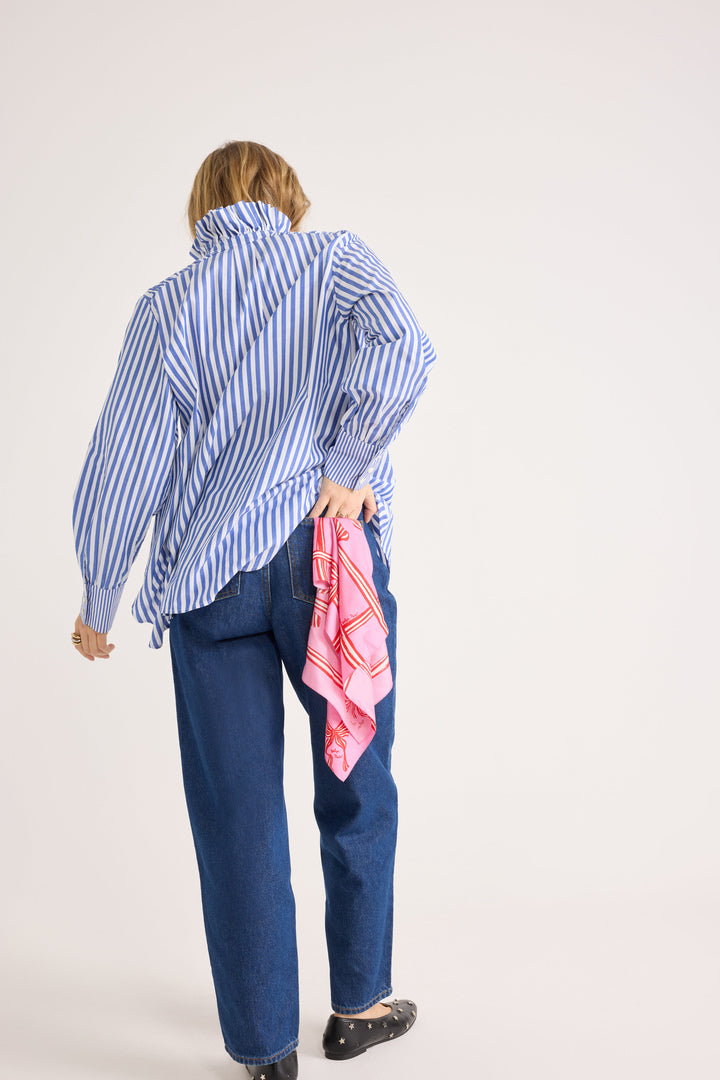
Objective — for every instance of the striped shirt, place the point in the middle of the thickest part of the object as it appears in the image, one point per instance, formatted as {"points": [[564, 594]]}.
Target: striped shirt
{"points": [[274, 358]]}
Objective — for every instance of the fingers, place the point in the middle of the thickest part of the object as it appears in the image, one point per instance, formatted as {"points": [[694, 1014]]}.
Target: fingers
{"points": [[370, 505], [92, 644], [84, 647], [102, 648], [98, 644], [83, 652], [335, 500], [336, 509]]}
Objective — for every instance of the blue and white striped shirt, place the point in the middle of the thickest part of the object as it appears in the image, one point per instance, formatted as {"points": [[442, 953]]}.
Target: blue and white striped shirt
{"points": [[274, 358]]}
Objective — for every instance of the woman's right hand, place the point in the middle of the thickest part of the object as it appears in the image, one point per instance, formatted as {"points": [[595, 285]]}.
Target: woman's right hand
{"points": [[343, 501]]}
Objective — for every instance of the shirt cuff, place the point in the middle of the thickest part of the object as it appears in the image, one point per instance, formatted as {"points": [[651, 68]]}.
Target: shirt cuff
{"points": [[348, 460], [99, 606]]}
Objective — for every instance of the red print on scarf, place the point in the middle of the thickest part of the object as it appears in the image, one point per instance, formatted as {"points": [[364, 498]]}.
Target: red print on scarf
{"points": [[347, 659]]}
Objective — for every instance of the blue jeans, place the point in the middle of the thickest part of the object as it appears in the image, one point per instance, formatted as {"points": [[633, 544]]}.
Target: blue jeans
{"points": [[227, 661]]}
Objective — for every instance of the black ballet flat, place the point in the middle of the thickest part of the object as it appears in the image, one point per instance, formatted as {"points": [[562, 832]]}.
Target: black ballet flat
{"points": [[285, 1069], [346, 1036]]}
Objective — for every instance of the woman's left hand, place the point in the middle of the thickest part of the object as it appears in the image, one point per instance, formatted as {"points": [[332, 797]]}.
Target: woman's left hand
{"points": [[93, 644]]}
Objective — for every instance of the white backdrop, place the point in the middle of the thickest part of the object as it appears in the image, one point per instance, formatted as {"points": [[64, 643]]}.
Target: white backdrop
{"points": [[542, 180]]}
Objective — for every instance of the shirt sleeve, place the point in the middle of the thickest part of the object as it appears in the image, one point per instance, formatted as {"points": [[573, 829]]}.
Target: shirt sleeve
{"points": [[388, 371], [126, 471]]}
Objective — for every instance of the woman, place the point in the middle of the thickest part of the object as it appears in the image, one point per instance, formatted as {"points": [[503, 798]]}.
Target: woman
{"points": [[258, 388]]}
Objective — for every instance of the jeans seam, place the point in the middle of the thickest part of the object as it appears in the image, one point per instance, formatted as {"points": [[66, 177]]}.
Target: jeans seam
{"points": [[267, 1059], [362, 1008], [267, 600], [230, 588], [294, 577]]}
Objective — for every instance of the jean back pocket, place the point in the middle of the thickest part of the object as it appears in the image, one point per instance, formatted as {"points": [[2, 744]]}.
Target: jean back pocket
{"points": [[300, 549], [231, 588]]}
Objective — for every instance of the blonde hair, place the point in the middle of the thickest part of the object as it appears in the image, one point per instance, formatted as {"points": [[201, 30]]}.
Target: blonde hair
{"points": [[249, 172]]}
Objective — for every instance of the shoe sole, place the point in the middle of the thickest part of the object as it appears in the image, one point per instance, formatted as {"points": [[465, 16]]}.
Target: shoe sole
{"points": [[343, 1057]]}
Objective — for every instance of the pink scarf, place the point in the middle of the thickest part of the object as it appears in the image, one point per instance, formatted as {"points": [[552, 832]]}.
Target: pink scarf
{"points": [[347, 658]]}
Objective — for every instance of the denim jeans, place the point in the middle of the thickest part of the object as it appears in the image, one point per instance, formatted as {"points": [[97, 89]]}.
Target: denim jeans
{"points": [[227, 664]]}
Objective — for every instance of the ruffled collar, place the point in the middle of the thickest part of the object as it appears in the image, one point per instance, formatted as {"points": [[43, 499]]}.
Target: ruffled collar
{"points": [[242, 217]]}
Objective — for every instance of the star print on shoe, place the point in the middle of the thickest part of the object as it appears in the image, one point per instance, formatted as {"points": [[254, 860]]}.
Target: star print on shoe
{"points": [[342, 1040], [284, 1069]]}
